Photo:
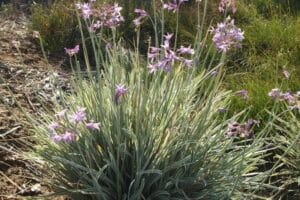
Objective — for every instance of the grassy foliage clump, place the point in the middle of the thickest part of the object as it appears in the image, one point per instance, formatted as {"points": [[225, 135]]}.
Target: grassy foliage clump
{"points": [[160, 135]]}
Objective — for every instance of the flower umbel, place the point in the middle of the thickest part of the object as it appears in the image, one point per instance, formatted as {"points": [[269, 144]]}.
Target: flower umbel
{"points": [[110, 15], [227, 35], [85, 8], [164, 57]]}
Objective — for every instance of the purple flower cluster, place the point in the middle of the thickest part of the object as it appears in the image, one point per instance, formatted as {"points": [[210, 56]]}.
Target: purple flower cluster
{"points": [[71, 52], [291, 99], [164, 57], [141, 15], [62, 131], [120, 91], [227, 5], [244, 130], [108, 15], [227, 35], [174, 6]]}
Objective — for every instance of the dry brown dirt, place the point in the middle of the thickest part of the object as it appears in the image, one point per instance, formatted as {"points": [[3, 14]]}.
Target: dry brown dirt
{"points": [[26, 88]]}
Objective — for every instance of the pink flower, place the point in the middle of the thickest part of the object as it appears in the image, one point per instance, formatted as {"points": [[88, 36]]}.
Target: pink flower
{"points": [[168, 37], [173, 6], [141, 12], [72, 52], [85, 8], [93, 126], [227, 5], [187, 63], [154, 53], [152, 68], [185, 50], [95, 26], [120, 91], [69, 137], [79, 116]]}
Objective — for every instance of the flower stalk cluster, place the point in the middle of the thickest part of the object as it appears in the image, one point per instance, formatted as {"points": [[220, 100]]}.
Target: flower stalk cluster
{"points": [[64, 131]]}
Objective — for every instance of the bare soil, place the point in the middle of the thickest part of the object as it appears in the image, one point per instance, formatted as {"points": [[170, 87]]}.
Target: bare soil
{"points": [[26, 89]]}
